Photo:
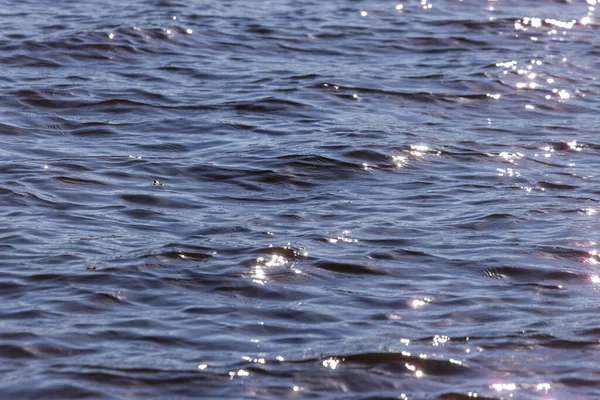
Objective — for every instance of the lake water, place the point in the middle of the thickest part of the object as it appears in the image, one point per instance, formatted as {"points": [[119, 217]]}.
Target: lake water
{"points": [[300, 199]]}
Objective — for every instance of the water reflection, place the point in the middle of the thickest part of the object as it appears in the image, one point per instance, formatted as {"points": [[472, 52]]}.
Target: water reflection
{"points": [[440, 340], [500, 387], [239, 373], [417, 152], [413, 368], [418, 303], [332, 362], [431, 168], [262, 264], [544, 386], [344, 237]]}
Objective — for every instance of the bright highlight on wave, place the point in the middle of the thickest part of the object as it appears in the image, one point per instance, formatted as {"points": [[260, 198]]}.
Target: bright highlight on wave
{"points": [[414, 151], [413, 368], [499, 387], [260, 270], [332, 362], [418, 303], [440, 340], [594, 258], [343, 238]]}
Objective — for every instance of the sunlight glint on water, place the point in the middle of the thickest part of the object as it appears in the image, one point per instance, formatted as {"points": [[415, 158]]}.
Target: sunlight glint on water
{"points": [[298, 199]]}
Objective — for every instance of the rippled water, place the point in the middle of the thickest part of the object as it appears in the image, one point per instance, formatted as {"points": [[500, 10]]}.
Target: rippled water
{"points": [[277, 199]]}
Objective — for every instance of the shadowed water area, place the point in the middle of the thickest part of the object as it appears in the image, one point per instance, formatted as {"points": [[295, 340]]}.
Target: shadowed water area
{"points": [[299, 199]]}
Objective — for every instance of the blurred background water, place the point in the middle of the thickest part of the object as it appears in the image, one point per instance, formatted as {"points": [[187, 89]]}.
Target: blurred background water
{"points": [[299, 199]]}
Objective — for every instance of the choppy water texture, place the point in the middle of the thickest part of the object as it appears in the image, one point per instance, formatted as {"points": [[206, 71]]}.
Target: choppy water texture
{"points": [[299, 199]]}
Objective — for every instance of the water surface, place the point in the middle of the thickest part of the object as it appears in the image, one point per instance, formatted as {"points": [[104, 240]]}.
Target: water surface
{"points": [[339, 200]]}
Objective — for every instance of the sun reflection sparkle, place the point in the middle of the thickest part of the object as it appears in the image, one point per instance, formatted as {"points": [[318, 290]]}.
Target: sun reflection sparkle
{"points": [[241, 372], [593, 258], [400, 161], [259, 271], [543, 386], [440, 340], [499, 387], [418, 303], [254, 360], [332, 362]]}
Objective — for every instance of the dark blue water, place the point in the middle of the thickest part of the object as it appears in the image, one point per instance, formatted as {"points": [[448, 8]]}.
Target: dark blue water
{"points": [[299, 199]]}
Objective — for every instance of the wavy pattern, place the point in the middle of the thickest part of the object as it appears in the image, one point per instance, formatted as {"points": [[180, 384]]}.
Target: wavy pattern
{"points": [[299, 199]]}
